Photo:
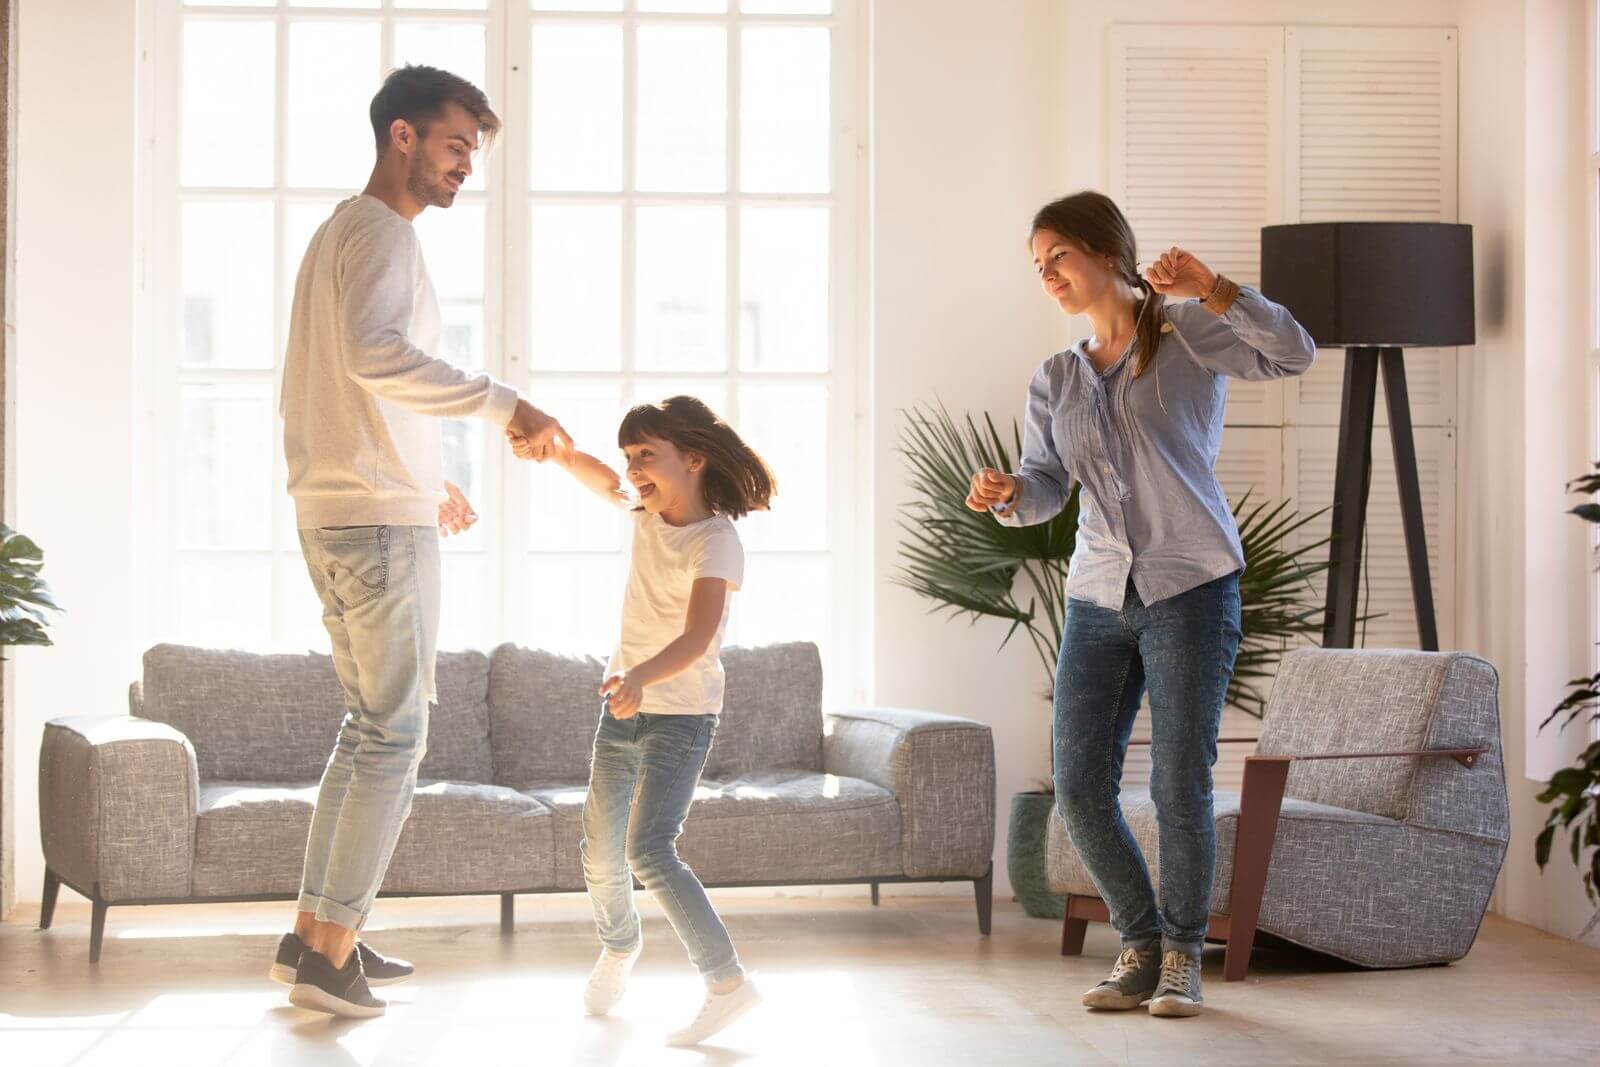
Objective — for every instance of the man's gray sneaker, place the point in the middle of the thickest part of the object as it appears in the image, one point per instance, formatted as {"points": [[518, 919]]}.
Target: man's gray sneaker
{"points": [[1178, 995], [1131, 982]]}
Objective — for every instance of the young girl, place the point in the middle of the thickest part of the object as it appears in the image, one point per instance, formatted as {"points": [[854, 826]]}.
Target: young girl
{"points": [[663, 691]]}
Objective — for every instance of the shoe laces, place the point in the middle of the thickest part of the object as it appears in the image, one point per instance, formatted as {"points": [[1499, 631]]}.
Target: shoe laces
{"points": [[1127, 963], [1178, 972]]}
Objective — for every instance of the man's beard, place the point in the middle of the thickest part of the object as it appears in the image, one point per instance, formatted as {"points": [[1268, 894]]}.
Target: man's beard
{"points": [[433, 193]]}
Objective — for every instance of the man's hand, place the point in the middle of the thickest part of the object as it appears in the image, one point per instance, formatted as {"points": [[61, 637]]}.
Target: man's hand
{"points": [[990, 487], [624, 694], [537, 436], [455, 514]]}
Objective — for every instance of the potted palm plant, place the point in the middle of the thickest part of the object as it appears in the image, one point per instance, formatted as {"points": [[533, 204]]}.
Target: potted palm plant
{"points": [[24, 596], [968, 564]]}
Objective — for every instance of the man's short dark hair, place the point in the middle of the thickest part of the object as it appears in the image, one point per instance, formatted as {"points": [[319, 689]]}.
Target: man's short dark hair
{"points": [[418, 93]]}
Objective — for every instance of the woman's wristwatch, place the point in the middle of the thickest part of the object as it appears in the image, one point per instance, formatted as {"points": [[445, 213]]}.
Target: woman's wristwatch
{"points": [[1222, 295]]}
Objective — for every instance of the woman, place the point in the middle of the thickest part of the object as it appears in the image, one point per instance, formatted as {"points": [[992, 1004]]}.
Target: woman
{"points": [[1135, 414]]}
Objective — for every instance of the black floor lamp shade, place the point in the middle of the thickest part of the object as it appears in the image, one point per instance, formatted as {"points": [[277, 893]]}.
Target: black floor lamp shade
{"points": [[1373, 284], [1373, 289]]}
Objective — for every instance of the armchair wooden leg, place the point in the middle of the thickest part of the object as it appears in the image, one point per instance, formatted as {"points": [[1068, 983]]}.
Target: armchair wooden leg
{"points": [[1260, 800], [874, 894], [508, 914], [47, 903], [1079, 911], [983, 891], [97, 931]]}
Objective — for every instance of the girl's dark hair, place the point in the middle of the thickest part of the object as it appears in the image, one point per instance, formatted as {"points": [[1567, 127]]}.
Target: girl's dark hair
{"points": [[418, 93], [1094, 222], [736, 481]]}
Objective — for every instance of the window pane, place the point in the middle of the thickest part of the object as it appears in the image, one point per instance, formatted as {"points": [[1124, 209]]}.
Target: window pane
{"points": [[713, 392], [680, 288], [333, 72], [225, 466], [334, 3], [682, 108], [224, 601], [783, 281], [684, 5], [573, 605], [576, 86], [228, 76], [784, 117], [577, 5], [453, 5], [575, 307], [463, 465], [782, 600], [562, 515], [454, 46], [786, 7], [227, 285], [299, 622], [452, 247], [788, 426], [463, 604]]}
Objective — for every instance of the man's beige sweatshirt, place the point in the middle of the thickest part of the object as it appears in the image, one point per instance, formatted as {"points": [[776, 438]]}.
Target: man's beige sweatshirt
{"points": [[361, 392]]}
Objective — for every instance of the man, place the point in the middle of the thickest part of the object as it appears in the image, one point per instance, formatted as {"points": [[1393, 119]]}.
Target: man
{"points": [[360, 391]]}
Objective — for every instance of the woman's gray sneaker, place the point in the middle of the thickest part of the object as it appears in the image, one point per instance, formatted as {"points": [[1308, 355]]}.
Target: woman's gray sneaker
{"points": [[342, 991], [380, 970], [1131, 982], [1178, 995]]}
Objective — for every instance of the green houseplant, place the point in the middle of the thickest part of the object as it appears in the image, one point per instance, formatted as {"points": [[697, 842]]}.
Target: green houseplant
{"points": [[24, 596], [1574, 792], [968, 564]]}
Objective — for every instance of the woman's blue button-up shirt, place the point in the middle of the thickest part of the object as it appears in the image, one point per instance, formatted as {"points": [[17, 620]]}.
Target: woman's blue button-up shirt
{"points": [[1145, 450]]}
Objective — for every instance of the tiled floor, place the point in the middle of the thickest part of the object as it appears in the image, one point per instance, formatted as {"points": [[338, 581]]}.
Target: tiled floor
{"points": [[909, 983]]}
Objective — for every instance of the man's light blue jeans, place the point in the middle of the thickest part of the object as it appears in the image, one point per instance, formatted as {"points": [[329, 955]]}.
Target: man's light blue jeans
{"points": [[641, 784], [379, 587]]}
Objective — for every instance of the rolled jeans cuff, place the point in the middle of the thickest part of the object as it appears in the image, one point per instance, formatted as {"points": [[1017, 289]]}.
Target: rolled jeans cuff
{"points": [[331, 911], [729, 970]]}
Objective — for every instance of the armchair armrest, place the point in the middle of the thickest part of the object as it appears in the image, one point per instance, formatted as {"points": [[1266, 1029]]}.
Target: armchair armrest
{"points": [[940, 768], [117, 804]]}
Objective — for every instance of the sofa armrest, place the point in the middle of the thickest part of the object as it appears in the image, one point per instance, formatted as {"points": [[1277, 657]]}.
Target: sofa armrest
{"points": [[117, 804], [940, 768]]}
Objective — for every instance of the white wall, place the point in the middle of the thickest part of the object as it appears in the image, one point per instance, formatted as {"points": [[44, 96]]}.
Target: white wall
{"points": [[75, 369]]}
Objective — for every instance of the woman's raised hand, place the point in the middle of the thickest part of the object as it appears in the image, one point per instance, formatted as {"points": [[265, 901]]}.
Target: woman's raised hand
{"points": [[1178, 274], [990, 487]]}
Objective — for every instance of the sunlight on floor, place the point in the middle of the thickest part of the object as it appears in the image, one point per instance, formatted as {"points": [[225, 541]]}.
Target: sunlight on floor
{"points": [[533, 1016]]}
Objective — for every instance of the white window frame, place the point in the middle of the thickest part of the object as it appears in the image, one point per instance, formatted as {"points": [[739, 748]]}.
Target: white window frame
{"points": [[504, 485]]}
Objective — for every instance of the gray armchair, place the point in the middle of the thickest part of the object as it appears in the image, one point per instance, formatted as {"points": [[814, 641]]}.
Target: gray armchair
{"points": [[1372, 821]]}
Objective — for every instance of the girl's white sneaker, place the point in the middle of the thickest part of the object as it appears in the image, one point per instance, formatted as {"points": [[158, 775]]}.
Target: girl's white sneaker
{"points": [[609, 980], [720, 1011]]}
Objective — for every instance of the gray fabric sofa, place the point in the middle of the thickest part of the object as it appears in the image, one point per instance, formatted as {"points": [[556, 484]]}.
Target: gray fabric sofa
{"points": [[204, 792], [1372, 821]]}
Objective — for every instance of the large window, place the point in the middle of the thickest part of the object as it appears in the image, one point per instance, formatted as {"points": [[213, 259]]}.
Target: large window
{"points": [[670, 209]]}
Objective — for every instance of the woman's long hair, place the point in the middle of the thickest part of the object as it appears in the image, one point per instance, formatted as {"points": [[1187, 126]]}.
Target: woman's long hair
{"points": [[1094, 222], [736, 480]]}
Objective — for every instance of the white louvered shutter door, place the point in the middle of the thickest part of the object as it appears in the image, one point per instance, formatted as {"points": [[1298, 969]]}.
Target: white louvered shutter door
{"points": [[1196, 125], [1371, 130]]}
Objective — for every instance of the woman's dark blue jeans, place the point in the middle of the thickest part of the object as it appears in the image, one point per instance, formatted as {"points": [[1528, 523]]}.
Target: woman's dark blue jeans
{"points": [[1182, 649]]}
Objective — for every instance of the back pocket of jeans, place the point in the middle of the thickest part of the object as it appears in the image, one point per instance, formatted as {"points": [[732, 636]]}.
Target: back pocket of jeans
{"points": [[357, 568]]}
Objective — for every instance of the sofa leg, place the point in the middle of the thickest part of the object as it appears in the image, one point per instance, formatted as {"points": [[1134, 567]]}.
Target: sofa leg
{"points": [[874, 894], [983, 890], [508, 914], [97, 931], [1075, 924], [47, 902]]}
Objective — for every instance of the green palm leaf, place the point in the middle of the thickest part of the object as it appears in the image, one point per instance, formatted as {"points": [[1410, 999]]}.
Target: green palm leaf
{"points": [[24, 596]]}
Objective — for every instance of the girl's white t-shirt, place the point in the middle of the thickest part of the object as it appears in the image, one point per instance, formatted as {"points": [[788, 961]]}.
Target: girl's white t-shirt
{"points": [[667, 560]]}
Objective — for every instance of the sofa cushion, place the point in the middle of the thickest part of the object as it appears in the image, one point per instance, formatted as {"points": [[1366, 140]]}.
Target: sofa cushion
{"points": [[1067, 873], [460, 838], [274, 718], [793, 827], [772, 712], [543, 710]]}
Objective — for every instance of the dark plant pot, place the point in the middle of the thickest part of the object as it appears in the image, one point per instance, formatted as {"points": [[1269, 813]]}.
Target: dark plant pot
{"points": [[1025, 839]]}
